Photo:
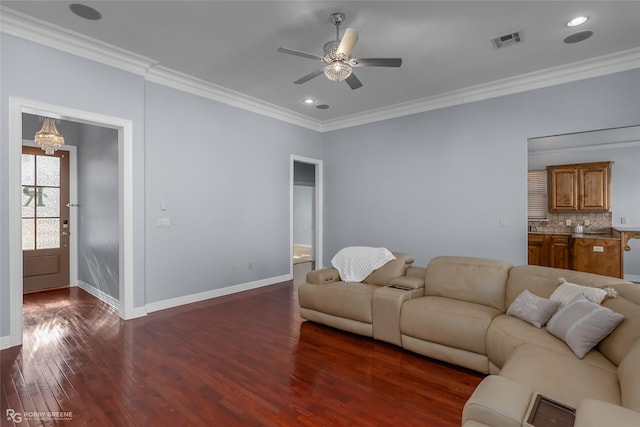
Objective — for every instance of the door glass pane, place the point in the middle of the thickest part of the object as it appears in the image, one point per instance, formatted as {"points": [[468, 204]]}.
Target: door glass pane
{"points": [[47, 233], [28, 234], [28, 169], [48, 171], [48, 202], [28, 202]]}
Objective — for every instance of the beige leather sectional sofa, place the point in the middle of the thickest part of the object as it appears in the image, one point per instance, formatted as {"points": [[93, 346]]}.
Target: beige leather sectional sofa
{"points": [[455, 310]]}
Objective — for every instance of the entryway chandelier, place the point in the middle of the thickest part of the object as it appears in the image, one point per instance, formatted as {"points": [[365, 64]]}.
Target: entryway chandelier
{"points": [[48, 138]]}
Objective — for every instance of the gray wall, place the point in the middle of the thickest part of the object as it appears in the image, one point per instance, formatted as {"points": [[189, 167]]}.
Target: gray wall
{"points": [[98, 216], [223, 174], [303, 209], [178, 159], [441, 182]]}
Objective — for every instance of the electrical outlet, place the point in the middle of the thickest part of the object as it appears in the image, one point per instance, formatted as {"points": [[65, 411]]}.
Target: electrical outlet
{"points": [[163, 222], [567, 222], [624, 220], [587, 222]]}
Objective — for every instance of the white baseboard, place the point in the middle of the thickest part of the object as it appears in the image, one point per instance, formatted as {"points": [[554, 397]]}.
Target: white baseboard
{"points": [[101, 295], [632, 278], [189, 299]]}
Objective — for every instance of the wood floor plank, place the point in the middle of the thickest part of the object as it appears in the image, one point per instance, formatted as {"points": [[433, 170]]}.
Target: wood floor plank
{"points": [[246, 359]]}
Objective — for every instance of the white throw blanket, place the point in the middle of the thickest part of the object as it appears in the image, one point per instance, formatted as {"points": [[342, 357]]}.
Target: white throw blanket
{"points": [[355, 263]]}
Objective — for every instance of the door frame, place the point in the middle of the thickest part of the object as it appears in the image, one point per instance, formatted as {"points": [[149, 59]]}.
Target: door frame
{"points": [[318, 214], [17, 106]]}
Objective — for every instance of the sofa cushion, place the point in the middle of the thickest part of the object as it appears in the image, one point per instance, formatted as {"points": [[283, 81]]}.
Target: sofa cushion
{"points": [[506, 333], [348, 300], [532, 308], [618, 343], [475, 280], [447, 321], [391, 270], [561, 377], [582, 324], [568, 291], [544, 280], [629, 374]]}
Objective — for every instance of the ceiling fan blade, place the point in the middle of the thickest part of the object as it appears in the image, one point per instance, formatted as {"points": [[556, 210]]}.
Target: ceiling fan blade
{"points": [[299, 53], [349, 39], [309, 76], [353, 81], [376, 62]]}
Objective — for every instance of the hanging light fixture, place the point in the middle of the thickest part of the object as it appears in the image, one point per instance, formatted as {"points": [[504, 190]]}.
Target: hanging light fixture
{"points": [[48, 138], [338, 70]]}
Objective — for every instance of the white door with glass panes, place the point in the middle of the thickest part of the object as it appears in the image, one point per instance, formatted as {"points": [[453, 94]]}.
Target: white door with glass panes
{"points": [[45, 219]]}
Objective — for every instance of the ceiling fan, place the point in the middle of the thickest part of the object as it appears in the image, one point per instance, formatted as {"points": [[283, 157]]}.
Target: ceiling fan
{"points": [[337, 57]]}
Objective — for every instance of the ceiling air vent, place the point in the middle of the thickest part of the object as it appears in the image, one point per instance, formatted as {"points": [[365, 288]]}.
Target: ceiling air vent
{"points": [[507, 40]]}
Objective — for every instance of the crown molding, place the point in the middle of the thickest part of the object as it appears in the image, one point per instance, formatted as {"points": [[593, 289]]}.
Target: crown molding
{"points": [[47, 34], [195, 86], [593, 67], [38, 31]]}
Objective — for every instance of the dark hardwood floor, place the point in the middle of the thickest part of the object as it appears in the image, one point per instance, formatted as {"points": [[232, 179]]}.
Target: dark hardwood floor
{"points": [[241, 360]]}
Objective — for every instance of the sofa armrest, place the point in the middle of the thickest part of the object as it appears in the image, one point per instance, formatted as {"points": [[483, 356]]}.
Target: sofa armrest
{"points": [[498, 402], [324, 275], [407, 282], [596, 413]]}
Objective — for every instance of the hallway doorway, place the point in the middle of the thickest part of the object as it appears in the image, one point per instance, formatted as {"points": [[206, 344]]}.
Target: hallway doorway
{"points": [[306, 217], [124, 200]]}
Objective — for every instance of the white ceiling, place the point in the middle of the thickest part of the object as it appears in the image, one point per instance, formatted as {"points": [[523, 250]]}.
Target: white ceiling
{"points": [[445, 45]]}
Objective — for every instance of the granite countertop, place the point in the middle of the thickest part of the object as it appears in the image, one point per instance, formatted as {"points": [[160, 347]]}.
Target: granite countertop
{"points": [[589, 235]]}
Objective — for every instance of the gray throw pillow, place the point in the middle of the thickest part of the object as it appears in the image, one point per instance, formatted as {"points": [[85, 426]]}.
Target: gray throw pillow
{"points": [[532, 308], [582, 324]]}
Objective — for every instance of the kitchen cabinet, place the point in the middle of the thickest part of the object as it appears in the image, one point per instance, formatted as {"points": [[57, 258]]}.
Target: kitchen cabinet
{"points": [[580, 187], [536, 249], [559, 252], [549, 250], [599, 256]]}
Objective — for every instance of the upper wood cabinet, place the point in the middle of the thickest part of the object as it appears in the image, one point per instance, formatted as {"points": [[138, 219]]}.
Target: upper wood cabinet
{"points": [[584, 187]]}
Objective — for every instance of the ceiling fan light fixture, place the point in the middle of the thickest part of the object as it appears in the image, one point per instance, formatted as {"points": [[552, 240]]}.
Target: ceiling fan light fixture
{"points": [[337, 71]]}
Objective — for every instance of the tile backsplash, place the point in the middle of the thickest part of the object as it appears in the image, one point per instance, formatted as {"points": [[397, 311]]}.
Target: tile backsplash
{"points": [[557, 221]]}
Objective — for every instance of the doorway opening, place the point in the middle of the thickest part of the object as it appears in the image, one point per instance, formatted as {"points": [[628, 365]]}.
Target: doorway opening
{"points": [[306, 217], [123, 129]]}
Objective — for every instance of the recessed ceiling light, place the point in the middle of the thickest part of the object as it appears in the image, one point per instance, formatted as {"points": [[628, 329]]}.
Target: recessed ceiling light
{"points": [[309, 101], [85, 11], [578, 20]]}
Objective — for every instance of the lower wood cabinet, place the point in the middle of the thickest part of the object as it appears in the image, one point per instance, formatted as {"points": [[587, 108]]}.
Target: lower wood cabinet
{"points": [[549, 250], [560, 252], [600, 256]]}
